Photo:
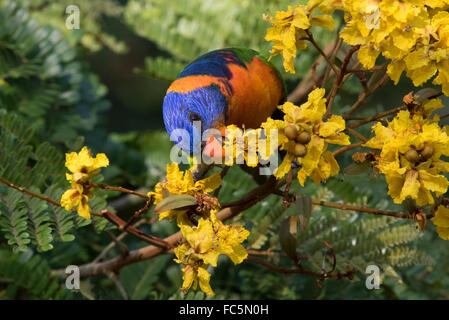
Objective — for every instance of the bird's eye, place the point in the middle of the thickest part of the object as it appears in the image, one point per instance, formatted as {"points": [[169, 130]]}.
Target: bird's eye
{"points": [[194, 117]]}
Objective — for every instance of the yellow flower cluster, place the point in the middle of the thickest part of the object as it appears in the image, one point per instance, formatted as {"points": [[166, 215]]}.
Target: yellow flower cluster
{"points": [[83, 167], [246, 146], [305, 137], [411, 147], [204, 244], [413, 35], [178, 182], [289, 29], [206, 238]]}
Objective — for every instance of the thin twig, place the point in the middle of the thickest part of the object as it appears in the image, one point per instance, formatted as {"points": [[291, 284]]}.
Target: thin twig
{"points": [[356, 134], [347, 148], [343, 206], [364, 95], [112, 244], [321, 276], [29, 192], [377, 117], [339, 80], [121, 189], [104, 213], [305, 86], [312, 40], [138, 213]]}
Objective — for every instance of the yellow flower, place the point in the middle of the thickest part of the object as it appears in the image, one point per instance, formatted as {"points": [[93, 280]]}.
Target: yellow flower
{"points": [[243, 146], [414, 37], [441, 221], [230, 239], [197, 254], [178, 182], [194, 274], [411, 147], [305, 137], [200, 242], [203, 244], [83, 166], [76, 197], [289, 30]]}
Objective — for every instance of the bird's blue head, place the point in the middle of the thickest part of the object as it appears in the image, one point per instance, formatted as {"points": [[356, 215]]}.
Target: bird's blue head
{"points": [[183, 111]]}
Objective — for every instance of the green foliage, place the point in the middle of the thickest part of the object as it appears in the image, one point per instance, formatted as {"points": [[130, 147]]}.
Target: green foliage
{"points": [[26, 220], [27, 276], [92, 34], [187, 30], [140, 279], [42, 80]]}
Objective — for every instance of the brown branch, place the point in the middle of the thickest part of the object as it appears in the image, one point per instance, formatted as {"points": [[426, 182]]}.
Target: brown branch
{"points": [[356, 134], [288, 183], [112, 244], [323, 54], [339, 80], [151, 251], [105, 214], [343, 206], [135, 232], [306, 84], [364, 95], [444, 116], [335, 50], [120, 189], [347, 148], [138, 213], [319, 275], [377, 117], [29, 192]]}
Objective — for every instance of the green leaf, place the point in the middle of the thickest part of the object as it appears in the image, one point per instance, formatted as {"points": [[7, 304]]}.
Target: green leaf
{"points": [[288, 236], [304, 209], [175, 201]]}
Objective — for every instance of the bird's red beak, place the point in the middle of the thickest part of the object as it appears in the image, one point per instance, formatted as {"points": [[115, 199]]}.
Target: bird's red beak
{"points": [[213, 147]]}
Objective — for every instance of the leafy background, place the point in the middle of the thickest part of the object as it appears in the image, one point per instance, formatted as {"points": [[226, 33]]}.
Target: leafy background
{"points": [[103, 86]]}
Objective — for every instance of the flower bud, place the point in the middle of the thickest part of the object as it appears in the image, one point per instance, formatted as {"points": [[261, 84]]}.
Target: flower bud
{"points": [[291, 132], [412, 156], [427, 152], [303, 137], [300, 150]]}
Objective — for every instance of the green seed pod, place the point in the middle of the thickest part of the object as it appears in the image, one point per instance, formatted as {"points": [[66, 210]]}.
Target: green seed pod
{"points": [[300, 150], [291, 132], [427, 152], [412, 156], [303, 137]]}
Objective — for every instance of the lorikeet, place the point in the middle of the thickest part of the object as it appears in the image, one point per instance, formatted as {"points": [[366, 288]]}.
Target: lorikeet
{"points": [[227, 86]]}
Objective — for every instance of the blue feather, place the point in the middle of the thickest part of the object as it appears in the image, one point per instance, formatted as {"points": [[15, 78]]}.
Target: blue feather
{"points": [[208, 103]]}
